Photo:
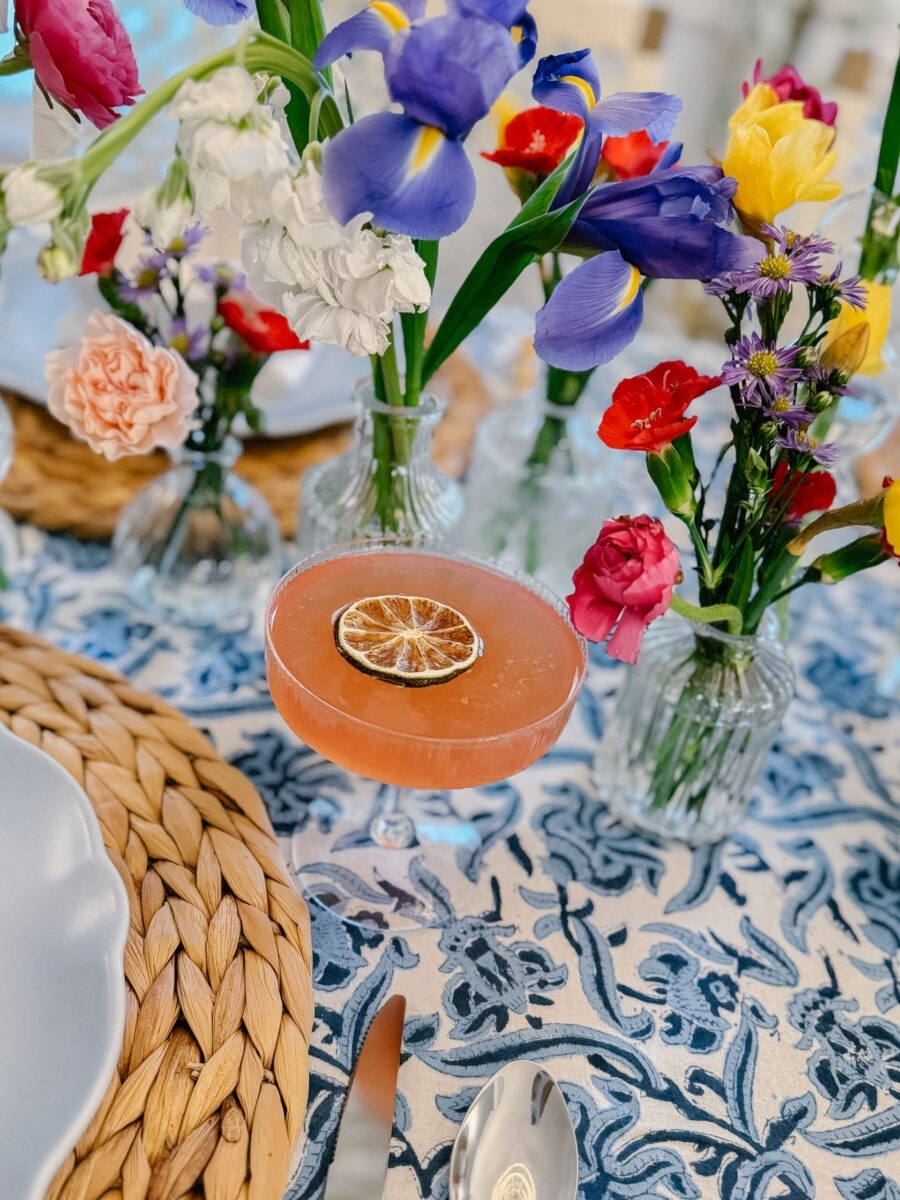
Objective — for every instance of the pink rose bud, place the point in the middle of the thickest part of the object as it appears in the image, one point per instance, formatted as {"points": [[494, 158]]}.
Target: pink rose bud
{"points": [[120, 393], [81, 55], [625, 581]]}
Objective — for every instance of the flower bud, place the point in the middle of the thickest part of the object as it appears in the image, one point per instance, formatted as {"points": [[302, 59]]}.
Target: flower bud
{"points": [[847, 352], [805, 356], [817, 402], [673, 471], [61, 257], [30, 198], [857, 556]]}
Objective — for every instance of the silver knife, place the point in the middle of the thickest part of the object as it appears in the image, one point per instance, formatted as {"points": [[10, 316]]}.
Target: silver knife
{"points": [[363, 1148]]}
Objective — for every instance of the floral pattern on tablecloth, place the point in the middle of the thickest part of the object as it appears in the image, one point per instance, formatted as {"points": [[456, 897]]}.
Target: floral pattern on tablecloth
{"points": [[723, 1021]]}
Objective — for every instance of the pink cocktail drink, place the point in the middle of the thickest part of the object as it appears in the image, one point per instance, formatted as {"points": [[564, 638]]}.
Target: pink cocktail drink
{"points": [[490, 722]]}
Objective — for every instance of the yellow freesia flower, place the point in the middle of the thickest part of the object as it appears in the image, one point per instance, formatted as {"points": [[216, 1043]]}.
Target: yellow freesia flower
{"points": [[778, 156], [875, 316], [759, 98], [892, 516]]}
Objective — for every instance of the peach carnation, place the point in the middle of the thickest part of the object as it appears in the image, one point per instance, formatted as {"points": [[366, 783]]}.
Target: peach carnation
{"points": [[120, 393]]}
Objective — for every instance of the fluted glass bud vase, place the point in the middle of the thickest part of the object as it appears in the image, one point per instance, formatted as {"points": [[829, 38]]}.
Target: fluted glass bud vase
{"points": [[691, 730], [385, 485], [198, 543], [538, 479]]}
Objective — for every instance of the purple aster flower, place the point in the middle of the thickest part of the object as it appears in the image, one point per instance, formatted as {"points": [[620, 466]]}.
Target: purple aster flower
{"points": [[146, 280], [221, 275], [189, 343], [184, 244], [790, 259], [761, 370], [800, 441], [786, 411], [850, 290]]}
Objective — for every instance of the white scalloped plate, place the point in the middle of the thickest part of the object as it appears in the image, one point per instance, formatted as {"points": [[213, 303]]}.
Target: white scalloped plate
{"points": [[63, 923]]}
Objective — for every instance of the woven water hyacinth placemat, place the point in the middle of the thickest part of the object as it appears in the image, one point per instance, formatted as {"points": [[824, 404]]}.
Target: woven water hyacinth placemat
{"points": [[60, 485], [210, 1090]]}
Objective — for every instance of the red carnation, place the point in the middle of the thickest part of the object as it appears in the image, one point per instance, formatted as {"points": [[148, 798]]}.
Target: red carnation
{"points": [[536, 140], [632, 156], [103, 242], [787, 84], [805, 494], [81, 55], [264, 330], [647, 412]]}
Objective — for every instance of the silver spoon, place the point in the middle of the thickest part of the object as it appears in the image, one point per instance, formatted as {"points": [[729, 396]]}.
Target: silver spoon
{"points": [[516, 1141]]}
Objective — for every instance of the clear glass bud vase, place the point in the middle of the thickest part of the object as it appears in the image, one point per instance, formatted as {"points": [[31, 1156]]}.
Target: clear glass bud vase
{"points": [[691, 730], [385, 485], [8, 536], [539, 479], [198, 543]]}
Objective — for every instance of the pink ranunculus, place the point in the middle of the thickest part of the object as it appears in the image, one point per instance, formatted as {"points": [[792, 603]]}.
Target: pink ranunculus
{"points": [[788, 84], [81, 55], [120, 393], [627, 577]]}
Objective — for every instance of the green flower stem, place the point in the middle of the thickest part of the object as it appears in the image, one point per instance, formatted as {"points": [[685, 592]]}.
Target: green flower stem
{"points": [[14, 65], [256, 51], [885, 180], [414, 325], [712, 614]]}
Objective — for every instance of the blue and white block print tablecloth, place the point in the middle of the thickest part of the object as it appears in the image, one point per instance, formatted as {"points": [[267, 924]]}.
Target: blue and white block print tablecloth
{"points": [[723, 1022]]}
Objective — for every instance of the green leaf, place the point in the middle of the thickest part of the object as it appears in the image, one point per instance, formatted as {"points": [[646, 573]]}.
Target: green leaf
{"points": [[532, 234]]}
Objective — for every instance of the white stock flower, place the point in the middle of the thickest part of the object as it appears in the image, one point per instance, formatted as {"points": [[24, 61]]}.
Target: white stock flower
{"points": [[232, 143], [341, 284], [30, 200]]}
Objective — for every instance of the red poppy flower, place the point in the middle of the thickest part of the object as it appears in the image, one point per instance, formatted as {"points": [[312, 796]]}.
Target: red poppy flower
{"points": [[536, 140], [103, 242], [264, 330], [632, 156], [814, 492], [647, 412]]}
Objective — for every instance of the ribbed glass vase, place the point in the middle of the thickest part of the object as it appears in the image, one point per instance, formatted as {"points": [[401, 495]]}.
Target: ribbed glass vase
{"points": [[198, 543], [691, 730], [385, 485]]}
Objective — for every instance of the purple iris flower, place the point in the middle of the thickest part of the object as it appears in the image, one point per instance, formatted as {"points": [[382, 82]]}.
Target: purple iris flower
{"points": [[667, 223], [800, 441], [571, 83], [511, 14], [372, 29], [409, 169], [593, 314], [221, 12]]}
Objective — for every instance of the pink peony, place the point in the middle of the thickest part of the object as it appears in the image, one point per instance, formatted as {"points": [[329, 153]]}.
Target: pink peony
{"points": [[120, 393], [81, 55], [787, 84], [627, 577]]}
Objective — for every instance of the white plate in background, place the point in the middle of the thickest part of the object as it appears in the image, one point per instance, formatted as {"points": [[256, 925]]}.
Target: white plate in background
{"points": [[63, 923], [298, 391]]}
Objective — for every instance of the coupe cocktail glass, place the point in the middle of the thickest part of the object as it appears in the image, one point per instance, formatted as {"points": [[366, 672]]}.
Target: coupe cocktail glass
{"points": [[482, 726]]}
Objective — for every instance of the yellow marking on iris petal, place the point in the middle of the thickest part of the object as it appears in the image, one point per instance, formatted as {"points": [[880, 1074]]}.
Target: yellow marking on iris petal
{"points": [[390, 14], [583, 86], [631, 290], [517, 33], [429, 141]]}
